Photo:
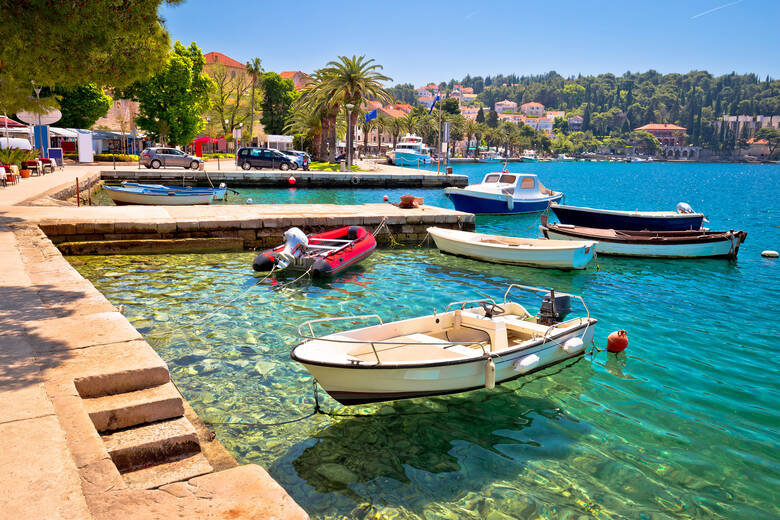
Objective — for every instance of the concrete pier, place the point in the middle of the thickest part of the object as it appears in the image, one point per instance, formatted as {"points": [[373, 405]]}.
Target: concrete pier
{"points": [[276, 178]]}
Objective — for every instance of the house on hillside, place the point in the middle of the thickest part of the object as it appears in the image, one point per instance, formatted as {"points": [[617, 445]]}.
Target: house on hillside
{"points": [[575, 123], [300, 79], [666, 133], [532, 109], [506, 106]]}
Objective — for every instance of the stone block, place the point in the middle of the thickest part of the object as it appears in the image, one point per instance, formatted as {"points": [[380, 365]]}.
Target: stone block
{"points": [[168, 473], [103, 227], [187, 226], [151, 444], [75, 332], [135, 227], [114, 412], [167, 227], [254, 223]]}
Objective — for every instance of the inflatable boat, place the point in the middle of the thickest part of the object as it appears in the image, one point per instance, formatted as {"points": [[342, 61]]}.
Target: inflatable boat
{"points": [[326, 253]]}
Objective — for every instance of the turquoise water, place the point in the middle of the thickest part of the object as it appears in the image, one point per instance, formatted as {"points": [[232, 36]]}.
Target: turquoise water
{"points": [[683, 425]]}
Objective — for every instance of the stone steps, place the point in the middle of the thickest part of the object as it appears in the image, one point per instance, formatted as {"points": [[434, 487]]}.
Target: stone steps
{"points": [[119, 411], [168, 472], [145, 445]]}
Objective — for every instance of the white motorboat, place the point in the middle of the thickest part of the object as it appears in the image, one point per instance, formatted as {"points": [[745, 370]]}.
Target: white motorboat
{"points": [[503, 193], [411, 151], [556, 254], [529, 156], [562, 157], [461, 349], [125, 195]]}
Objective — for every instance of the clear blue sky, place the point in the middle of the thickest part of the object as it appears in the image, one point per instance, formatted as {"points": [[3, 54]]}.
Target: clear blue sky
{"points": [[418, 43]]}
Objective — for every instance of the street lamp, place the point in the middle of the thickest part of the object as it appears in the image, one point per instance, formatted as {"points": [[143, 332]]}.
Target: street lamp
{"points": [[349, 107], [38, 98]]}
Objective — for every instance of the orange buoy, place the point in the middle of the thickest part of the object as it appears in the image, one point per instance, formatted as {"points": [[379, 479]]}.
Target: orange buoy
{"points": [[385, 198], [291, 180], [617, 341]]}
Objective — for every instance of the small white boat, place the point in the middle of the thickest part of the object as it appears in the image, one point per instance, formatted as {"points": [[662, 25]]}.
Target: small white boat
{"points": [[127, 195], [489, 156], [462, 349], [503, 193], [411, 151], [529, 156], [562, 157], [534, 252]]}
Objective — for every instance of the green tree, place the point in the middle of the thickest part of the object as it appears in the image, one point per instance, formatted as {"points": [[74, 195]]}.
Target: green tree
{"points": [[492, 119], [173, 101], [230, 103], [645, 142], [562, 124], [772, 137], [81, 106], [481, 115], [74, 43], [450, 105], [277, 100]]}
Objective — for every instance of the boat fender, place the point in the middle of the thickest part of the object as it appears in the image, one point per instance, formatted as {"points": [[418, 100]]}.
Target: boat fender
{"points": [[355, 180], [526, 364], [573, 345], [770, 254], [321, 268], [264, 261], [510, 203], [490, 374], [291, 180], [617, 341]]}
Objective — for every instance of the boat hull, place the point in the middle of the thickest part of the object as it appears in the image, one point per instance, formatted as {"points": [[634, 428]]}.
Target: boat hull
{"points": [[358, 385], [156, 198], [605, 219], [482, 203], [577, 255], [727, 247], [410, 159]]}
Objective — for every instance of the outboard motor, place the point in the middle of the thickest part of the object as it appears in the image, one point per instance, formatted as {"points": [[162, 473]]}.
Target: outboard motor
{"points": [[294, 245], [554, 308]]}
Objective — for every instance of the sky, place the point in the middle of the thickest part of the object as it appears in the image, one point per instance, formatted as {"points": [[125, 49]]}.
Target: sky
{"points": [[419, 42]]}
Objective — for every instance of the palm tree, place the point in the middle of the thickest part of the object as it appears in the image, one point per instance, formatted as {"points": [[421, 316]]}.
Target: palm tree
{"points": [[254, 69], [396, 126], [471, 129], [367, 127], [319, 102], [353, 81], [381, 125]]}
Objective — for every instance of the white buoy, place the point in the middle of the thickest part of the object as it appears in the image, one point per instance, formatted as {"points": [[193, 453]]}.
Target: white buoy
{"points": [[770, 254], [573, 345], [250, 201], [490, 374]]}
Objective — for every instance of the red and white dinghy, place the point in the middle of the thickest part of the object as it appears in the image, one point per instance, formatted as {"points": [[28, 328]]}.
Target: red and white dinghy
{"points": [[326, 253]]}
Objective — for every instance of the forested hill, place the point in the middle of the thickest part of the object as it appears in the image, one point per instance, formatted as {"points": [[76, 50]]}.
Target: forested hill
{"points": [[612, 103]]}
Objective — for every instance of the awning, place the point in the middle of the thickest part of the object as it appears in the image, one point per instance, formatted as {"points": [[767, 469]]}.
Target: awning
{"points": [[63, 132]]}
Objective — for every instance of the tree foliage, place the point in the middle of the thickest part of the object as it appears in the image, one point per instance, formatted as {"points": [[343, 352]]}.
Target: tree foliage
{"points": [[278, 98], [68, 44], [230, 98], [772, 137], [82, 105], [173, 101]]}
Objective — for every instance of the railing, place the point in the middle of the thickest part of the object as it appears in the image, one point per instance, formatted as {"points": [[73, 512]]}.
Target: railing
{"points": [[539, 290]]}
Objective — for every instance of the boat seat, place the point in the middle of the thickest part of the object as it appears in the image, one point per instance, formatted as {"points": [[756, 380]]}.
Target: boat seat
{"points": [[513, 323], [409, 348]]}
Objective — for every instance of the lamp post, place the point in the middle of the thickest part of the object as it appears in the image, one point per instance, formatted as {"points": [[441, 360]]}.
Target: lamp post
{"points": [[349, 107]]}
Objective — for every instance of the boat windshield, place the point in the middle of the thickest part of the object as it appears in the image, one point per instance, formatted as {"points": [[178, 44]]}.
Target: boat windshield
{"points": [[527, 183], [497, 177]]}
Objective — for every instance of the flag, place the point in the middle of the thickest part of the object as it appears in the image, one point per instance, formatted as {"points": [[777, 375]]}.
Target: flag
{"points": [[371, 115], [435, 99]]}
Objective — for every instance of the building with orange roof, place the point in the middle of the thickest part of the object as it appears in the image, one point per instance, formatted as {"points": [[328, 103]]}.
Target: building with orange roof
{"points": [[213, 58], [403, 107], [666, 133], [299, 78], [506, 106], [532, 109]]}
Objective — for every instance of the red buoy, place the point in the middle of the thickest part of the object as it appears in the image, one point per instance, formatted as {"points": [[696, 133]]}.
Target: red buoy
{"points": [[385, 198], [617, 341], [291, 180]]}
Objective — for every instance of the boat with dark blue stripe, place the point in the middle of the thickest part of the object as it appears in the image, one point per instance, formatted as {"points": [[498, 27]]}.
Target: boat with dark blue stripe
{"points": [[683, 219], [504, 193]]}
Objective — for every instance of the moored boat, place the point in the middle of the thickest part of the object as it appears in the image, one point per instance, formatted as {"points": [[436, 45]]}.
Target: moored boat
{"points": [[529, 156], [325, 254], [682, 219], [562, 157], [410, 151], [219, 193], [502, 194], [472, 345], [654, 244], [557, 254], [130, 195]]}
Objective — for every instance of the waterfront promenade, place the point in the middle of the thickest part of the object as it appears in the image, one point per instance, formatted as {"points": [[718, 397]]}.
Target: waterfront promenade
{"points": [[91, 424]]}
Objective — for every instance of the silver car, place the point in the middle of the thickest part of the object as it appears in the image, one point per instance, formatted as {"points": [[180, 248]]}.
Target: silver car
{"points": [[156, 157]]}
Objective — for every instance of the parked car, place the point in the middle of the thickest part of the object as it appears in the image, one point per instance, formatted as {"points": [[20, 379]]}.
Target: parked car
{"points": [[248, 158], [15, 142], [156, 157], [301, 158]]}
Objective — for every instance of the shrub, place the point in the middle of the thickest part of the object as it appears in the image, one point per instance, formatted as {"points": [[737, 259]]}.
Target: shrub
{"points": [[17, 155], [219, 155], [109, 157]]}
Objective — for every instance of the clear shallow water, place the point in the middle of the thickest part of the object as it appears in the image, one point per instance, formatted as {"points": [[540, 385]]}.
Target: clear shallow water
{"points": [[684, 425]]}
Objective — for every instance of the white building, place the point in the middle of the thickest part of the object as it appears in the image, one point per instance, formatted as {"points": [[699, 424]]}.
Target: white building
{"points": [[506, 106], [532, 109]]}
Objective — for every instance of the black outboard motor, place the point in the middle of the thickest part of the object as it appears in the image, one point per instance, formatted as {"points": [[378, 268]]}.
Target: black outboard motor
{"points": [[554, 308]]}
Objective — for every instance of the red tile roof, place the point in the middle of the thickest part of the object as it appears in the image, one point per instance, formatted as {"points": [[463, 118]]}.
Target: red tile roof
{"points": [[404, 107], [532, 104], [393, 112], [661, 126], [288, 74], [218, 57], [760, 141]]}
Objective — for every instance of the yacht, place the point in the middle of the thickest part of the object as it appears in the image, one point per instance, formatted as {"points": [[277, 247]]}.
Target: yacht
{"points": [[562, 157], [411, 151], [529, 156]]}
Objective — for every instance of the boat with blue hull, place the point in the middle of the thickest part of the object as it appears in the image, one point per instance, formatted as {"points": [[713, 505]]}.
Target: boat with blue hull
{"points": [[219, 193], [683, 219], [411, 151], [503, 193]]}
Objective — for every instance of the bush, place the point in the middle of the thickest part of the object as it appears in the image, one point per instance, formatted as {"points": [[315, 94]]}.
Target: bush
{"points": [[17, 155], [109, 157], [219, 155]]}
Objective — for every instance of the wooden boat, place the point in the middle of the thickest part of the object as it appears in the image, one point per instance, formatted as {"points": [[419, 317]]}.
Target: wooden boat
{"points": [[502, 194], [472, 345], [219, 193], [125, 195], [326, 253], [658, 244], [628, 220], [558, 254]]}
